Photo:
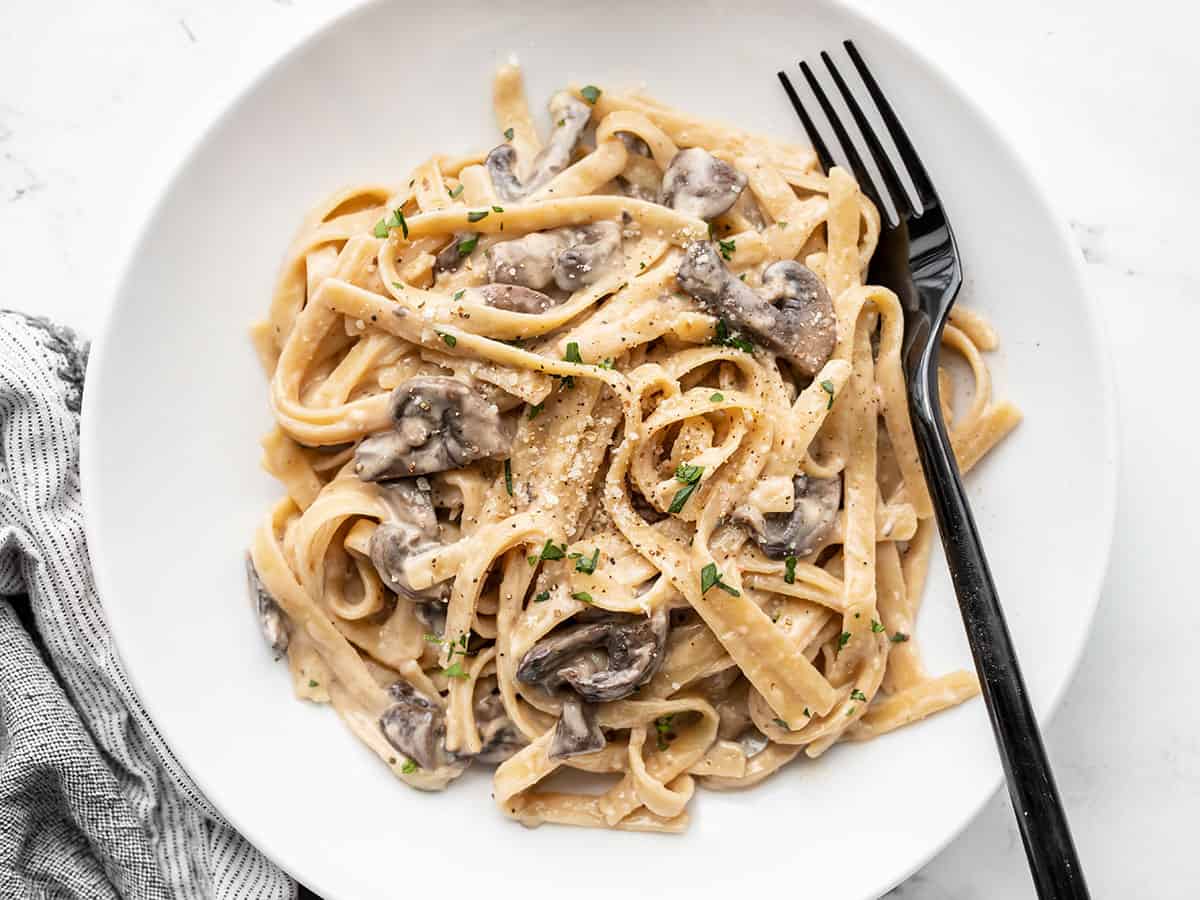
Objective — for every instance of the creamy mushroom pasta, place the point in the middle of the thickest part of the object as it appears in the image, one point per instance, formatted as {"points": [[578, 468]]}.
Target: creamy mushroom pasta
{"points": [[597, 457]]}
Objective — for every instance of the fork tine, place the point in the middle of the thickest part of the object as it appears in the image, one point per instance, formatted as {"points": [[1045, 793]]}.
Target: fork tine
{"points": [[814, 136], [865, 182], [883, 161], [908, 153]]}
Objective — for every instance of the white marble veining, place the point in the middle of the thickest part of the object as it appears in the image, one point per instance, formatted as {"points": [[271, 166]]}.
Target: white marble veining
{"points": [[1102, 99]]}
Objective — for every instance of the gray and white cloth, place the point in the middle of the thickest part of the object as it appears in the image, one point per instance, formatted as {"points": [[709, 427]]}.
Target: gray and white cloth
{"points": [[92, 803]]}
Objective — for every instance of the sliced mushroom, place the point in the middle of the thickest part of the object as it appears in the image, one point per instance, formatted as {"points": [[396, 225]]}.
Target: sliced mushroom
{"points": [[416, 726], [801, 531], [501, 164], [570, 117], [633, 648], [634, 653], [440, 424], [541, 664], [515, 298], [577, 731], [501, 738], [698, 184], [753, 742], [432, 615], [802, 329], [411, 528], [804, 302], [270, 617], [449, 258], [527, 261], [589, 255]]}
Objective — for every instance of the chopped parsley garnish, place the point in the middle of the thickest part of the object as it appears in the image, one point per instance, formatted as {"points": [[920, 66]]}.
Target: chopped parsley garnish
{"points": [[807, 713], [726, 338], [710, 578], [454, 194], [728, 248], [313, 684], [827, 387], [476, 214], [876, 627], [508, 476], [455, 670], [409, 767], [712, 231], [497, 209], [396, 220], [899, 637], [641, 265], [508, 134], [586, 564], [553, 551], [850, 711], [466, 245], [582, 596], [572, 356], [458, 295], [542, 597], [398, 285], [663, 726], [858, 695], [789, 569], [717, 397], [432, 638], [689, 476], [782, 724], [535, 409], [843, 639], [449, 339], [591, 94], [781, 224], [606, 363], [561, 122]]}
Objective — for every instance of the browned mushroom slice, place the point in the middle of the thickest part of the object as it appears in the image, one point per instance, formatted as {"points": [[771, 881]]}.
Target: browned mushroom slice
{"points": [[570, 117], [500, 737], [590, 254], [515, 298], [527, 261], [416, 726], [541, 664], [411, 528], [801, 531], [440, 424], [802, 329], [450, 257], [634, 652], [807, 309], [698, 184], [271, 618], [501, 164], [602, 660], [577, 731]]}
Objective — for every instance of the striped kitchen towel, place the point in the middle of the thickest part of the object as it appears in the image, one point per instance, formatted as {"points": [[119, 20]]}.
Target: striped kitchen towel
{"points": [[92, 803]]}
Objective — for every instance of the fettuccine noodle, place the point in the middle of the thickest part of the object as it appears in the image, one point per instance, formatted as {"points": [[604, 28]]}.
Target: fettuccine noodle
{"points": [[596, 456]]}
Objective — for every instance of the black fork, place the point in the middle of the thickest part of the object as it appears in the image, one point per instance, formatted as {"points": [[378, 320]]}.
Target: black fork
{"points": [[918, 259]]}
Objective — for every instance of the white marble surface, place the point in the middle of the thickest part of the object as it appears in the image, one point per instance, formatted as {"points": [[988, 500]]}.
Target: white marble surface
{"points": [[1103, 99]]}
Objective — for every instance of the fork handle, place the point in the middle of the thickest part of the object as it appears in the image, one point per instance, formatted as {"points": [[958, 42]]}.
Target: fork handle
{"points": [[1040, 815]]}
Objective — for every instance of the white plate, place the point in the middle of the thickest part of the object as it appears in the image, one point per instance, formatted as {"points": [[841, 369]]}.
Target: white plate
{"points": [[176, 403]]}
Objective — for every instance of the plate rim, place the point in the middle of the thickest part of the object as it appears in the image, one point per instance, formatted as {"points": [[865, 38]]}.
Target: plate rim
{"points": [[223, 100]]}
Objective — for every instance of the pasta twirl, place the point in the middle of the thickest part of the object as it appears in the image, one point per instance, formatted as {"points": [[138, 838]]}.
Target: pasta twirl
{"points": [[596, 456]]}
